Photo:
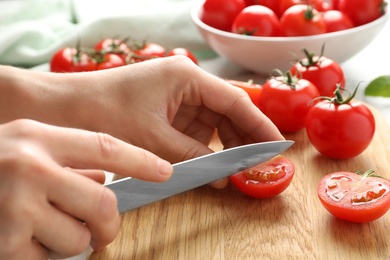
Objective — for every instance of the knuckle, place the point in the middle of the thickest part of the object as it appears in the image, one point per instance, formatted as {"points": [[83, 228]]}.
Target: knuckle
{"points": [[107, 145]]}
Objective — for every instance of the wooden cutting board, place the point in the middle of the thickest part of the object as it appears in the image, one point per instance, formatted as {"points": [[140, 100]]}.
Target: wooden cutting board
{"points": [[206, 223]]}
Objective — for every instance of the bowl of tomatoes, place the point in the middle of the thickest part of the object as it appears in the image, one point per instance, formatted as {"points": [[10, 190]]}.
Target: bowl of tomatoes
{"points": [[278, 39]]}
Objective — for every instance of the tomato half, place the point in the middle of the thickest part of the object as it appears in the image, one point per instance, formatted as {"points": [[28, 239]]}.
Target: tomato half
{"points": [[253, 90], [353, 197], [340, 131], [256, 20], [267, 179], [323, 72], [184, 52], [285, 101], [221, 13], [302, 20], [71, 60]]}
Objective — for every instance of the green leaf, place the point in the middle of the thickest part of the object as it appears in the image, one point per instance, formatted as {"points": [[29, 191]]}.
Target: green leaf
{"points": [[379, 87]]}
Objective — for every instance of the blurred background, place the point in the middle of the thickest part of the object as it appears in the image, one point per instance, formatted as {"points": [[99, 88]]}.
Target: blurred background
{"points": [[32, 30]]}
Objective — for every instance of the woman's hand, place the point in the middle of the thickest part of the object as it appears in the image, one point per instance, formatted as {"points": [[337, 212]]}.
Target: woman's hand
{"points": [[51, 197], [172, 107]]}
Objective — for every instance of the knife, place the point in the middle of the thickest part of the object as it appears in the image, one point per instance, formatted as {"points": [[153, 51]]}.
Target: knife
{"points": [[132, 193]]}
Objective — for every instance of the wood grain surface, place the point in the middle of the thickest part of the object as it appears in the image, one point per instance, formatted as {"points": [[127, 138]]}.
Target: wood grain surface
{"points": [[206, 223]]}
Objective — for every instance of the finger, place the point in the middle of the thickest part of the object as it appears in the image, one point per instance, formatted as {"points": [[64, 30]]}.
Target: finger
{"points": [[81, 149], [236, 105], [97, 175], [89, 201], [72, 237]]}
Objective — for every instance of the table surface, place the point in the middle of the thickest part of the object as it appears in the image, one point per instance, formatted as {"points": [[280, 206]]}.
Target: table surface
{"points": [[208, 223]]}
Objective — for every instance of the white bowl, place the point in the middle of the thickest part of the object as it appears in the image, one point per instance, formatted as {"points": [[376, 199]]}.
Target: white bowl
{"points": [[264, 54]]}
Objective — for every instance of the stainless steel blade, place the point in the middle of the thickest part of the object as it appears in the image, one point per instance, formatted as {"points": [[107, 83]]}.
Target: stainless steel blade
{"points": [[133, 193]]}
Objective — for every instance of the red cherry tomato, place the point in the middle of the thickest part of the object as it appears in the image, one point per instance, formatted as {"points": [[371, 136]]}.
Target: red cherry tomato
{"points": [[285, 99], [184, 52], [302, 20], [354, 197], [256, 20], [71, 60], [340, 129], [271, 4], [148, 51], [267, 179], [221, 13], [253, 90], [111, 45], [362, 11], [323, 72], [110, 60], [336, 21], [319, 5]]}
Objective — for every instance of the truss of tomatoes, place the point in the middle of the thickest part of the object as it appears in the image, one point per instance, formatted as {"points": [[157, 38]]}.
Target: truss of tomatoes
{"points": [[111, 53], [355, 197], [267, 179], [286, 18]]}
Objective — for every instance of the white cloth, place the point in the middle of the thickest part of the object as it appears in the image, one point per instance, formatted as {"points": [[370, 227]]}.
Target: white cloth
{"points": [[32, 30]]}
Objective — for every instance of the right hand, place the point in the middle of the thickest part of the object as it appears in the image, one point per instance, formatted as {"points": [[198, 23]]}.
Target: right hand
{"points": [[52, 204]]}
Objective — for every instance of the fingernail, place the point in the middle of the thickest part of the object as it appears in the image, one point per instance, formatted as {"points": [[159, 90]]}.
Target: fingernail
{"points": [[164, 167]]}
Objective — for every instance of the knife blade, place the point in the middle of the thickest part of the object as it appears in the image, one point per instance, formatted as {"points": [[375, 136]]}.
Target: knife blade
{"points": [[133, 193]]}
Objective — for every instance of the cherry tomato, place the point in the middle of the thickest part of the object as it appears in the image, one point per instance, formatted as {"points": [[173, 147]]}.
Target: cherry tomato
{"points": [[284, 99], [148, 51], [110, 60], [221, 13], [319, 5], [362, 11], [113, 45], [184, 52], [302, 20], [71, 60], [256, 20], [340, 129], [271, 4], [353, 197], [253, 90], [265, 180], [336, 21], [323, 72]]}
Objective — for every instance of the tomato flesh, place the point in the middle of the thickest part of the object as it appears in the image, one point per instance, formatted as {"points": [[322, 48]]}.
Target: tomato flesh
{"points": [[267, 179], [354, 198]]}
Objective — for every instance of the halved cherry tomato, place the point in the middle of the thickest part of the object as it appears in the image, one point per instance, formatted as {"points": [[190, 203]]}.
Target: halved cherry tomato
{"points": [[353, 197], [302, 20], [253, 90], [267, 179], [256, 20], [71, 60], [323, 72], [184, 52], [284, 99]]}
